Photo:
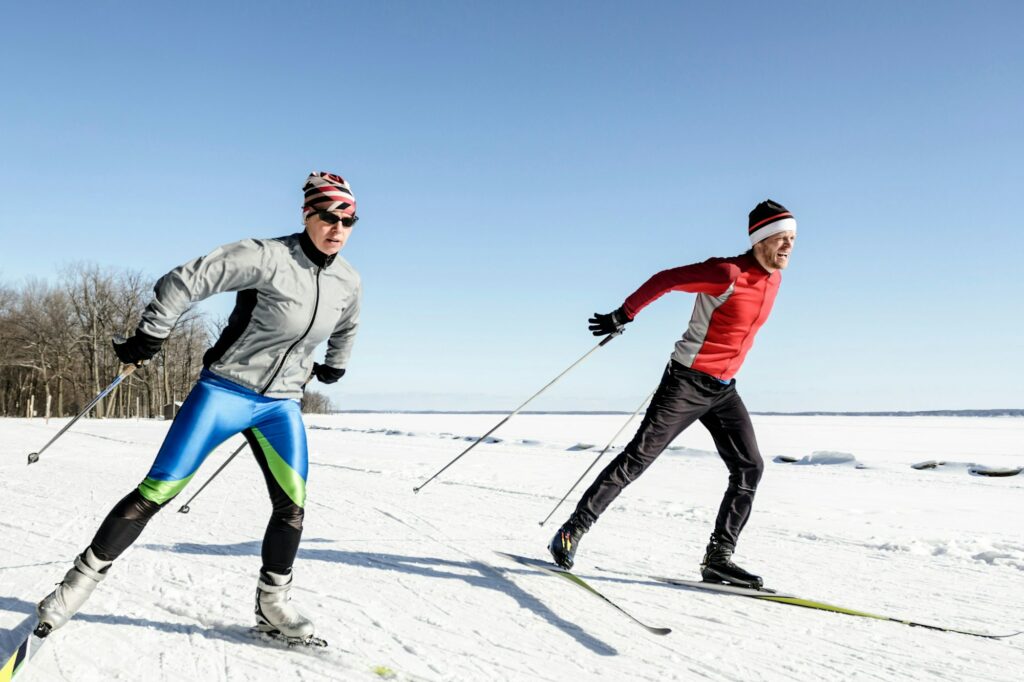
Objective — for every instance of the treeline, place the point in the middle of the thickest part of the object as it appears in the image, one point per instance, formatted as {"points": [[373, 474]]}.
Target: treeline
{"points": [[56, 355]]}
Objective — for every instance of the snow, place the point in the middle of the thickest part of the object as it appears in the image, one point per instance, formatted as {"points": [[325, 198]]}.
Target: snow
{"points": [[406, 586]]}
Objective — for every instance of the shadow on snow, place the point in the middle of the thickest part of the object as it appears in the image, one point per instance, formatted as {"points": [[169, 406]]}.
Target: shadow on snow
{"points": [[474, 573]]}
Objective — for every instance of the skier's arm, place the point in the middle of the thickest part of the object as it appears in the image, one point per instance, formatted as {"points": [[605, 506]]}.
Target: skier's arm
{"points": [[339, 346], [711, 277], [232, 267]]}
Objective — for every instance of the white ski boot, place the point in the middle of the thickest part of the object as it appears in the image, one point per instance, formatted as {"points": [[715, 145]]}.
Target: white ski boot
{"points": [[274, 614], [59, 606]]}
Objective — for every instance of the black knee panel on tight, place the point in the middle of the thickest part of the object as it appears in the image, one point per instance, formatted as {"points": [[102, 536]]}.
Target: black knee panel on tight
{"points": [[134, 507], [123, 525], [290, 515], [281, 541]]}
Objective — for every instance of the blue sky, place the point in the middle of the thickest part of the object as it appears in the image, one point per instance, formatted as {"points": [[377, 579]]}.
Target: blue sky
{"points": [[520, 166]]}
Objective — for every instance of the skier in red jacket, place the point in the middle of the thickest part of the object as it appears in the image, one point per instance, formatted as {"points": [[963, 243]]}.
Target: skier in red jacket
{"points": [[734, 298]]}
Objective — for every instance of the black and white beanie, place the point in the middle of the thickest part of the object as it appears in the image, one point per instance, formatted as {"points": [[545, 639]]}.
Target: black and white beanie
{"points": [[768, 218]]}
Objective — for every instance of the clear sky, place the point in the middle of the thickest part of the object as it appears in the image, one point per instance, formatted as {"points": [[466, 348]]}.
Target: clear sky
{"points": [[519, 166]]}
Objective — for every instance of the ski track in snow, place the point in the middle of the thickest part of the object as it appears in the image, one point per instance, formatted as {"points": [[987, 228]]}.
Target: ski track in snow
{"points": [[406, 586]]}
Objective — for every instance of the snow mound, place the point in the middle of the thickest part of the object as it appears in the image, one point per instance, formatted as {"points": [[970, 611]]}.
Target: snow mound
{"points": [[978, 549], [489, 439], [821, 458], [970, 467]]}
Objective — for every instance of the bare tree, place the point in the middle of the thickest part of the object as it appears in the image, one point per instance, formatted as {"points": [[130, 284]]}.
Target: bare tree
{"points": [[55, 341], [91, 292], [314, 402]]}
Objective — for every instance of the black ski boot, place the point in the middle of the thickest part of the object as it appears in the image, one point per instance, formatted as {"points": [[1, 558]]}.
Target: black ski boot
{"points": [[718, 567], [567, 539]]}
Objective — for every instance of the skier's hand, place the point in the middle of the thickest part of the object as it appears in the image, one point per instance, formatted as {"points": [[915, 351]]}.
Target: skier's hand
{"points": [[327, 374], [601, 325], [137, 350]]}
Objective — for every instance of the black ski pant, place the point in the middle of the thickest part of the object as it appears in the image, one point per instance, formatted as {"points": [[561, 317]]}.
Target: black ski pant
{"points": [[129, 517], [683, 397]]}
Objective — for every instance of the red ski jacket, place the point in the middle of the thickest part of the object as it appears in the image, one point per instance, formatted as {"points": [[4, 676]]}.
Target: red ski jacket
{"points": [[734, 297]]}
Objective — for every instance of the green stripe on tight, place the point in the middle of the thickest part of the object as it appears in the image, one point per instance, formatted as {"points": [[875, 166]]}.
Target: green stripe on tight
{"points": [[161, 491], [293, 485]]}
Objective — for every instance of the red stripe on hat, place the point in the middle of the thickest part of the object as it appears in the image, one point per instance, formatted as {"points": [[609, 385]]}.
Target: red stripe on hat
{"points": [[787, 214], [334, 190]]}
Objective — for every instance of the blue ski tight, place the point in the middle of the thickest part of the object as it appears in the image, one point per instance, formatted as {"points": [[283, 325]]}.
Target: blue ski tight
{"points": [[215, 410]]}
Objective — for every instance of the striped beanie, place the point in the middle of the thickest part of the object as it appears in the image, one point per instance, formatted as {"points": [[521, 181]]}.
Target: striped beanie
{"points": [[327, 192], [769, 218]]}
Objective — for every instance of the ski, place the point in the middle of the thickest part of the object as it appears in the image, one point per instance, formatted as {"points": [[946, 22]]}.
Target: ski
{"points": [[27, 648], [793, 600], [551, 569]]}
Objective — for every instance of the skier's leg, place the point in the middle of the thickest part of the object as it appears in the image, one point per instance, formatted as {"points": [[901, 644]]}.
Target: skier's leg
{"points": [[730, 427], [205, 420], [679, 401], [278, 441], [209, 415]]}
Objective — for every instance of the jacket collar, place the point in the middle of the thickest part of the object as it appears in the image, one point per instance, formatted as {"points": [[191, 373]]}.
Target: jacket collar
{"points": [[319, 258]]}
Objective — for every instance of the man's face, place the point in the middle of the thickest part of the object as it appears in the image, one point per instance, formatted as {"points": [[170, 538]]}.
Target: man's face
{"points": [[773, 252], [327, 237]]}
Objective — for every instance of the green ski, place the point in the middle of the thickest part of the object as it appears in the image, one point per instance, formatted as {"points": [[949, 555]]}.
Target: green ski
{"points": [[792, 600], [551, 569]]}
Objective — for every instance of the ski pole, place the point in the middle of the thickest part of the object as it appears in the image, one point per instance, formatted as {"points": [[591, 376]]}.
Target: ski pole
{"points": [[592, 464], [126, 370], [184, 509], [516, 411]]}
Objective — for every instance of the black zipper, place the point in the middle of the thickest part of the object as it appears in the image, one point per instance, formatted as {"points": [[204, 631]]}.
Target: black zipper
{"points": [[316, 304]]}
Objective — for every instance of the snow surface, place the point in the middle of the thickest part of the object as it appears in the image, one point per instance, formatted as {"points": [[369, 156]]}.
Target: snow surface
{"points": [[406, 586]]}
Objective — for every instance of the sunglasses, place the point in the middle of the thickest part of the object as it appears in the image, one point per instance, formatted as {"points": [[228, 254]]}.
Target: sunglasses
{"points": [[331, 219]]}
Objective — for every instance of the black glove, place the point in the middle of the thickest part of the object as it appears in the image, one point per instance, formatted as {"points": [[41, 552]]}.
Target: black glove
{"points": [[600, 325], [137, 350], [327, 374]]}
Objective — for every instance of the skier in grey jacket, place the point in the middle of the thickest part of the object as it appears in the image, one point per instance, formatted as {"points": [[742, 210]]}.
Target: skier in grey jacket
{"points": [[293, 293]]}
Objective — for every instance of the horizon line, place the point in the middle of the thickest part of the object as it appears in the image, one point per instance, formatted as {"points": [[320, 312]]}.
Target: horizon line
{"points": [[994, 412]]}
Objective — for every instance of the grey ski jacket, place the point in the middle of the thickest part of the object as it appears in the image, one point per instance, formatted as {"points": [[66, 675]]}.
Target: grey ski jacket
{"points": [[290, 298]]}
